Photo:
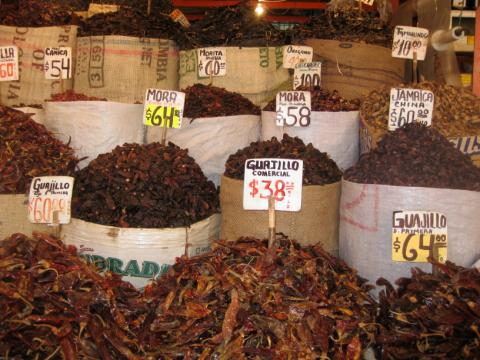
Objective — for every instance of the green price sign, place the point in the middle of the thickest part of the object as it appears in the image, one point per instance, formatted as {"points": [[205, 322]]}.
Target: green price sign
{"points": [[162, 116]]}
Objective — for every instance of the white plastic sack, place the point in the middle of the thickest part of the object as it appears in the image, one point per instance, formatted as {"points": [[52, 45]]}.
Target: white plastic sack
{"points": [[366, 226], [211, 140], [256, 73], [33, 88], [38, 115], [335, 133], [94, 127], [139, 254], [121, 68]]}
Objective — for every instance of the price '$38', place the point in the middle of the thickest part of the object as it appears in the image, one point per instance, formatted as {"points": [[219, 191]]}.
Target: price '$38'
{"points": [[279, 178], [49, 201]]}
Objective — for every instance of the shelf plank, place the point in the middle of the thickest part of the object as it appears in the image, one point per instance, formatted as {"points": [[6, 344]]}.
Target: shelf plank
{"points": [[465, 13], [463, 47], [476, 56]]}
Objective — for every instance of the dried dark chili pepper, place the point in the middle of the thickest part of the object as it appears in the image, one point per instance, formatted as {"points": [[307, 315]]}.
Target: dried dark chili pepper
{"points": [[324, 100], [70, 95], [415, 155], [318, 168], [209, 101], [37, 13], [150, 186], [55, 305], [28, 150], [431, 316], [245, 301]]}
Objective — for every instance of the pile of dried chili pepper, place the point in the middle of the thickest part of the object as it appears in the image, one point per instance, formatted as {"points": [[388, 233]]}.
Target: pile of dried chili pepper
{"points": [[431, 316], [28, 150], [318, 168], [37, 13], [149, 186], [246, 301], [56, 306], [70, 95], [209, 101], [324, 100]]}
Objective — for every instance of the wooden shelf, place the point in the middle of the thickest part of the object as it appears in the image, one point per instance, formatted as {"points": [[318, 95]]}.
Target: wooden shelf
{"points": [[465, 13], [463, 47]]}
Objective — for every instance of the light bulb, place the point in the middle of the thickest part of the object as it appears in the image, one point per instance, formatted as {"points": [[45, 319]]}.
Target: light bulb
{"points": [[259, 10]]}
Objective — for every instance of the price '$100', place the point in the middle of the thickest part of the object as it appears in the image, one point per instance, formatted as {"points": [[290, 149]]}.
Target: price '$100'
{"points": [[279, 178], [293, 108]]}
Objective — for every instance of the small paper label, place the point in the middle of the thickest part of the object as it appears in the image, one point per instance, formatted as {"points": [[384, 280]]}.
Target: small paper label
{"points": [[293, 55], [58, 63], [280, 178], [101, 9], [367, 2], [8, 63], [410, 105], [307, 74], [49, 201], [293, 108], [163, 108], [178, 16], [415, 234], [409, 39], [212, 61]]}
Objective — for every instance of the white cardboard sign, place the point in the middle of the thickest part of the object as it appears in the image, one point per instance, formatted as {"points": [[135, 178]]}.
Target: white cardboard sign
{"points": [[58, 63], [293, 108], [8, 63], [408, 40], [212, 61], [294, 54], [410, 105]]}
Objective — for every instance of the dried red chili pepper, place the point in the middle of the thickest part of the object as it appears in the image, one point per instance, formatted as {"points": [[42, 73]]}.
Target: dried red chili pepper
{"points": [[28, 150], [247, 301], [70, 95]]}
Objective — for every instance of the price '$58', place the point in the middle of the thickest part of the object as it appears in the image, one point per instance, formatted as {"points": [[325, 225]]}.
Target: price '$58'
{"points": [[277, 178], [293, 108]]}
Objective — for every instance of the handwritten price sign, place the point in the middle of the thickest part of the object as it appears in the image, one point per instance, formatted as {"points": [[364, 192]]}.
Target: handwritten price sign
{"points": [[410, 39], [212, 62], [163, 108], [416, 234], [307, 74], [49, 200], [8, 63], [293, 55], [58, 63], [293, 108], [410, 105], [280, 178]]}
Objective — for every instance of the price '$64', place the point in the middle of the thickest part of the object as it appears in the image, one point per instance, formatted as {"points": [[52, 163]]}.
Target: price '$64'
{"points": [[279, 178], [163, 108]]}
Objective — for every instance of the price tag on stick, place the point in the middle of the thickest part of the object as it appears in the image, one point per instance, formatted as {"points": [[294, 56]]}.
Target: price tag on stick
{"points": [[410, 39], [410, 105], [212, 61], [58, 63], [163, 108], [8, 63], [293, 108], [293, 55], [278, 178], [49, 200], [307, 74], [418, 235]]}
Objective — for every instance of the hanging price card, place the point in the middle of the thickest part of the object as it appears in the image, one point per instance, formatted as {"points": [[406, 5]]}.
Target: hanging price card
{"points": [[280, 178], [307, 74], [410, 105], [415, 234], [293, 108], [178, 16], [163, 108], [8, 63], [58, 63], [367, 2], [49, 200], [212, 61], [293, 55], [409, 39], [95, 8]]}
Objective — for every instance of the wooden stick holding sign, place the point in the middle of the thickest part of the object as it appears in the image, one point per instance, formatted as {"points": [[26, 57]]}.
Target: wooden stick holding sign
{"points": [[56, 224], [271, 221], [435, 255], [415, 65], [149, 7]]}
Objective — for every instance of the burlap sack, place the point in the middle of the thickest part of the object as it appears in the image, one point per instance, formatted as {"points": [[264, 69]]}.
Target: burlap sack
{"points": [[121, 68], [256, 73], [139, 254], [370, 136], [33, 88], [354, 69], [317, 221], [14, 217]]}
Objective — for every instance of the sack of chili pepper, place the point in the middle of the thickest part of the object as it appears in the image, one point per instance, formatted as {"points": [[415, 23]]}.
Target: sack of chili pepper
{"points": [[216, 123], [138, 207], [411, 196], [332, 128], [317, 220], [93, 126], [36, 111]]}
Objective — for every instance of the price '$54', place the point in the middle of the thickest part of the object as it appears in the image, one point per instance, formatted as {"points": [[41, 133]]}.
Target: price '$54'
{"points": [[279, 178], [58, 63], [293, 108], [49, 200]]}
